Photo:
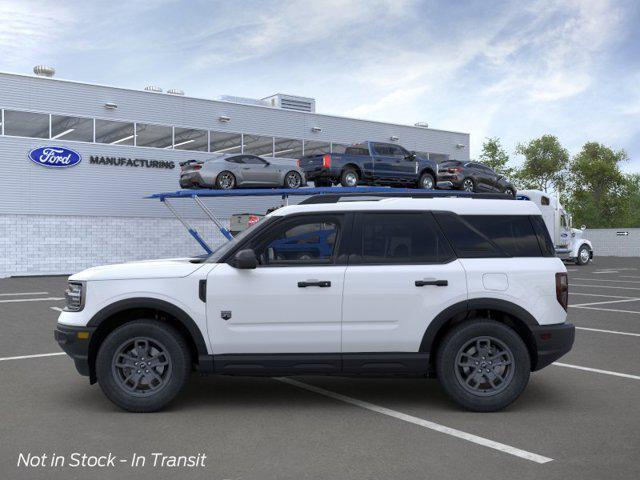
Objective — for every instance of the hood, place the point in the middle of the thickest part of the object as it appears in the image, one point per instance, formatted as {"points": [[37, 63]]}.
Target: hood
{"points": [[165, 268]]}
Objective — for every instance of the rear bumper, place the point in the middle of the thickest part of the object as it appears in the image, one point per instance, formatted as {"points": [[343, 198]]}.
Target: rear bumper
{"points": [[191, 180], [552, 342], [77, 347], [321, 173], [454, 181]]}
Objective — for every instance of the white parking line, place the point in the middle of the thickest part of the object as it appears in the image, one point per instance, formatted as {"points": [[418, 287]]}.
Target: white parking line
{"points": [[604, 286], [629, 276], [22, 357], [608, 331], [15, 300], [597, 370], [57, 309], [605, 309], [596, 295], [23, 293], [485, 442], [607, 280], [604, 302]]}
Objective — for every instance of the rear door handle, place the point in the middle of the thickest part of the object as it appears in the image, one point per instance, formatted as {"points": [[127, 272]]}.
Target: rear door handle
{"points": [[314, 283], [437, 283]]}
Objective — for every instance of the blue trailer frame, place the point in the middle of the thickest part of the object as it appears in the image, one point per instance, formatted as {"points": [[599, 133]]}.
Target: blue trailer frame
{"points": [[333, 193]]}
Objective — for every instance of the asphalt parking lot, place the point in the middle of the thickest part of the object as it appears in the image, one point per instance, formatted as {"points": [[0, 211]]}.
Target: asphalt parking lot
{"points": [[577, 419]]}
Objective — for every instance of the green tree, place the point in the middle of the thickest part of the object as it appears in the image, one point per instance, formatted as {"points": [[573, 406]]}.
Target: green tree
{"points": [[600, 192], [495, 156], [545, 164]]}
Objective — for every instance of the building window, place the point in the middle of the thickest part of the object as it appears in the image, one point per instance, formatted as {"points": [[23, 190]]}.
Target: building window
{"points": [[223, 142], [338, 147], [316, 148], [114, 133], [71, 128], [26, 124], [157, 136], [190, 139], [287, 148], [258, 145]]}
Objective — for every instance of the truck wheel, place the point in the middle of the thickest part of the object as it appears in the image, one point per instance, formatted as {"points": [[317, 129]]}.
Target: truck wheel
{"points": [[483, 365], [225, 180], [468, 185], [426, 181], [584, 255], [349, 178], [142, 365]]}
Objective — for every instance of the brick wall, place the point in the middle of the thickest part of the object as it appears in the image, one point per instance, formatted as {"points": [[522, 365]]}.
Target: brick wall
{"points": [[44, 244]]}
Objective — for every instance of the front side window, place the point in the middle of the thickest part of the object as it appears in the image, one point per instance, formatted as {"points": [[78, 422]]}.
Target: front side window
{"points": [[406, 238], [303, 242], [239, 159], [26, 124]]}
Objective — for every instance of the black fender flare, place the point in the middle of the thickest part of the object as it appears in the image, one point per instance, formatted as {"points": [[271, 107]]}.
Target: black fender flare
{"points": [[155, 304], [466, 306]]}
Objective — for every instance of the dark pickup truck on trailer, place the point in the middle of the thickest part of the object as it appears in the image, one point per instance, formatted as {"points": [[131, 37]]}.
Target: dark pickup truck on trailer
{"points": [[371, 163]]}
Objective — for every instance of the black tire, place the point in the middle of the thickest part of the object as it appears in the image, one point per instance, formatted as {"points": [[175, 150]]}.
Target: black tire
{"points": [[346, 178], [292, 180], [110, 376], [226, 180], [322, 183], [427, 181], [468, 185], [451, 374], [584, 255]]}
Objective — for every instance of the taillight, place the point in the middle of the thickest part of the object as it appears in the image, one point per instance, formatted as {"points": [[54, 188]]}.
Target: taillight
{"points": [[298, 163], [562, 289], [326, 161], [197, 166], [455, 170]]}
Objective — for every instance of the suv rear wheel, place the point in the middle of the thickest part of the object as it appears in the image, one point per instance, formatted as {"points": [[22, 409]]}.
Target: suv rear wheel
{"points": [[483, 365], [142, 365], [468, 185]]}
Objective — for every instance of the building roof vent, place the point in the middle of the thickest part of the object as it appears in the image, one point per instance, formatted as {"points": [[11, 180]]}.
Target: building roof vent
{"points": [[44, 71], [292, 102], [422, 124], [175, 91], [153, 88]]}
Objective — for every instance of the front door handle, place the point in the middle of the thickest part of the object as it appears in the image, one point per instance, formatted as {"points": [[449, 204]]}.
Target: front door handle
{"points": [[314, 283], [437, 283]]}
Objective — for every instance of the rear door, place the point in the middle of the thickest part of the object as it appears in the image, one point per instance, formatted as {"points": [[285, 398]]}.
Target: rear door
{"points": [[401, 274]]}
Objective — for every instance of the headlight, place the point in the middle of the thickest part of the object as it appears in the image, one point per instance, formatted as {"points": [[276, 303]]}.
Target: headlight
{"points": [[74, 295]]}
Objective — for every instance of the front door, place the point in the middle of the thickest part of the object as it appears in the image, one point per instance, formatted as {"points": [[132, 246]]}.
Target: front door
{"points": [[256, 171], [292, 302], [391, 164], [400, 276]]}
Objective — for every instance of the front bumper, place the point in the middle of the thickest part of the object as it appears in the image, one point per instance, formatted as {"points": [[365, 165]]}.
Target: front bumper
{"points": [[75, 343], [552, 342]]}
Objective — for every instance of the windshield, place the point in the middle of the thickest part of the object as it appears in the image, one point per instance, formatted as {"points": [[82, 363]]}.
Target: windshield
{"points": [[226, 247]]}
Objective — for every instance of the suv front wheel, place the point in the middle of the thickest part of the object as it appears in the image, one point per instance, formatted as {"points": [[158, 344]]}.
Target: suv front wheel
{"points": [[142, 365], [483, 365]]}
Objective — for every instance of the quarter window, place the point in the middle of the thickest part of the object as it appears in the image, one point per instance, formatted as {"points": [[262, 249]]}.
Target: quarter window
{"points": [[400, 238], [512, 233], [465, 239], [310, 242]]}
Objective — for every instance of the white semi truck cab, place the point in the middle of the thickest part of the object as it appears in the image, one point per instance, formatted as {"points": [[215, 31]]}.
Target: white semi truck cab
{"points": [[568, 241]]}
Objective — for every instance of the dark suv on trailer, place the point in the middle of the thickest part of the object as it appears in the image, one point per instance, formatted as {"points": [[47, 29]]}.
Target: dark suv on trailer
{"points": [[474, 177]]}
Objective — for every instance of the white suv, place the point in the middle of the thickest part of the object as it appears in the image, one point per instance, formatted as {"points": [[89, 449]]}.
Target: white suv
{"points": [[465, 289]]}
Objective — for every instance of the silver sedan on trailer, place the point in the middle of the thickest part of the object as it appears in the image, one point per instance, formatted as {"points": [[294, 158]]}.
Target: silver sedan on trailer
{"points": [[241, 170]]}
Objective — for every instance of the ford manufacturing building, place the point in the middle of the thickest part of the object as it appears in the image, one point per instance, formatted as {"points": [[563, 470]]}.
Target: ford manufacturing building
{"points": [[129, 145]]}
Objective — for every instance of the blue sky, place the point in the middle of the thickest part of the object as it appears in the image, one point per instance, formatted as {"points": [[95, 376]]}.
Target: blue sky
{"points": [[515, 70]]}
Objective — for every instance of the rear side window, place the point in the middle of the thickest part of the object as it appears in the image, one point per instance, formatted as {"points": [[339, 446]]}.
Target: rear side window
{"points": [[399, 238], [465, 239], [512, 233], [544, 239], [357, 151]]}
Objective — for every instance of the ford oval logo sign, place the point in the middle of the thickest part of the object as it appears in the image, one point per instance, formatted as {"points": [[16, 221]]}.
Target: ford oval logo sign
{"points": [[56, 157]]}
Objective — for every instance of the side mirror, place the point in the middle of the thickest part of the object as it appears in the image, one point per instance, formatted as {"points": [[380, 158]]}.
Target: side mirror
{"points": [[245, 259], [411, 156], [583, 227]]}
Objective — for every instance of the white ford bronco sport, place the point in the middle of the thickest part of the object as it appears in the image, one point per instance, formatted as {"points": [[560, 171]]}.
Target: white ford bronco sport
{"points": [[467, 290]]}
